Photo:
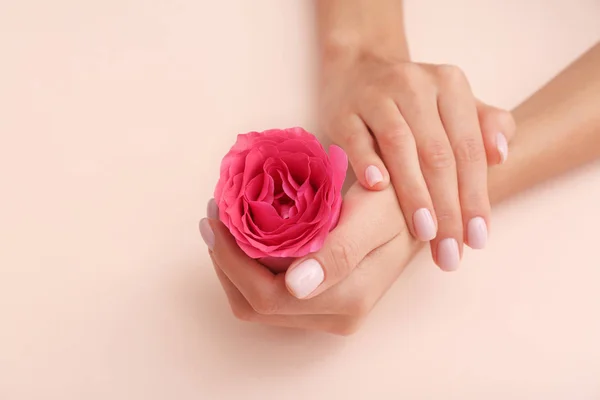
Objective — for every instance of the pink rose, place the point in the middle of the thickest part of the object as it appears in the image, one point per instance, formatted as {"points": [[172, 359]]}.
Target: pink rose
{"points": [[280, 194]]}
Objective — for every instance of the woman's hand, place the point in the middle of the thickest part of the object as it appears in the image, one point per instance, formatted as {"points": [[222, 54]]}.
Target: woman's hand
{"points": [[420, 127], [331, 290]]}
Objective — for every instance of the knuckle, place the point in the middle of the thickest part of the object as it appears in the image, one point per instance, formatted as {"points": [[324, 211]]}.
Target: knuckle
{"points": [[470, 150], [341, 257], [450, 73], [408, 71], [436, 155], [395, 137], [416, 84], [356, 140]]}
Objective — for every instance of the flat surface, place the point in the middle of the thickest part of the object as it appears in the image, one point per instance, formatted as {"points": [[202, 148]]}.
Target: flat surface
{"points": [[113, 118]]}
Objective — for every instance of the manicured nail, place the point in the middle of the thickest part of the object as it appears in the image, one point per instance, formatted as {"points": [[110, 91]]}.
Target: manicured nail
{"points": [[212, 210], [424, 225], [373, 175], [477, 233], [502, 146], [207, 233], [448, 255], [304, 278]]}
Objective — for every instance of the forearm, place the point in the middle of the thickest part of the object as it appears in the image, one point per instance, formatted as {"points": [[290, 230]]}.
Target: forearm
{"points": [[349, 27], [558, 129]]}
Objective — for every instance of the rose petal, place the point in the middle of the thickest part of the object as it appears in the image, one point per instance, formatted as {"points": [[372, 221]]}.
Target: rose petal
{"points": [[268, 189], [297, 166], [268, 150], [339, 163], [318, 172], [233, 190], [264, 216], [288, 185], [253, 166], [254, 187]]}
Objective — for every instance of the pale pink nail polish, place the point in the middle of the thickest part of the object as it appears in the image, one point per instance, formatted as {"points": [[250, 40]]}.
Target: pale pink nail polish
{"points": [[448, 255], [303, 279], [424, 225], [207, 233], [373, 175], [212, 210], [477, 233], [502, 146]]}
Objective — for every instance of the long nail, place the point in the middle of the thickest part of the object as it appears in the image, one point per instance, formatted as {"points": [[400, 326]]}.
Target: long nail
{"points": [[207, 233], [212, 210], [448, 255], [477, 233], [424, 225], [373, 175], [303, 279], [502, 146]]}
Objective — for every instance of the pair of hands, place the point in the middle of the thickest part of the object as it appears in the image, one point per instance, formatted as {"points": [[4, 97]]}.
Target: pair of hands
{"points": [[435, 141]]}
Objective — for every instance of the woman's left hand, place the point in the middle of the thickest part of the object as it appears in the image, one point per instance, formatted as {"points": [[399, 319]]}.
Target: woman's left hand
{"points": [[331, 290]]}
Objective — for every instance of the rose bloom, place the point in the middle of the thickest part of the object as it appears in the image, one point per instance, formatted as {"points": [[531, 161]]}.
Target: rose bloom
{"points": [[279, 193]]}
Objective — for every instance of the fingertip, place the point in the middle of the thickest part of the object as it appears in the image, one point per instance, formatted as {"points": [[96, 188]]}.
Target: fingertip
{"points": [[477, 233], [302, 279], [425, 228], [501, 147], [448, 254], [207, 233], [375, 178], [212, 210]]}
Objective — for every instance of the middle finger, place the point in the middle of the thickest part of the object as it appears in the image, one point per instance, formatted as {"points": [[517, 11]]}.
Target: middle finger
{"points": [[458, 112], [439, 170]]}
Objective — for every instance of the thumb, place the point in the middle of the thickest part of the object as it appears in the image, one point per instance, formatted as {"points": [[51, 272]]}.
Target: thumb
{"points": [[498, 129], [369, 220]]}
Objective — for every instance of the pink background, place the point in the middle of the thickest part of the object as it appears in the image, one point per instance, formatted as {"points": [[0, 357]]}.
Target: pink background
{"points": [[113, 117]]}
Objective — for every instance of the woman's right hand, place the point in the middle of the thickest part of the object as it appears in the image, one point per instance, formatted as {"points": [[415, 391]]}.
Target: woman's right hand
{"points": [[331, 290], [419, 127]]}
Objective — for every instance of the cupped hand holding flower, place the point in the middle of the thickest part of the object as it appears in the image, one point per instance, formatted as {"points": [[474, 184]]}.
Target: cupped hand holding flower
{"points": [[353, 279]]}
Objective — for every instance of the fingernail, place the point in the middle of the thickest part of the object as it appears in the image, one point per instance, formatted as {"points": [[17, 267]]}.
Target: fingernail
{"points": [[424, 225], [373, 175], [304, 278], [477, 233], [448, 255], [502, 146], [207, 233], [212, 210]]}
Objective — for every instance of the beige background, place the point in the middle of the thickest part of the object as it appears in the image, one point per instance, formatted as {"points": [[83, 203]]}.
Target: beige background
{"points": [[113, 117]]}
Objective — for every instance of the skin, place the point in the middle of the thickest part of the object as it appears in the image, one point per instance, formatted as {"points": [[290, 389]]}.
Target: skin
{"points": [[418, 124], [559, 130]]}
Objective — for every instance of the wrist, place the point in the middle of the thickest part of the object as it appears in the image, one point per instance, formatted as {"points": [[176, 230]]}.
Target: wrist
{"points": [[342, 46], [348, 29]]}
